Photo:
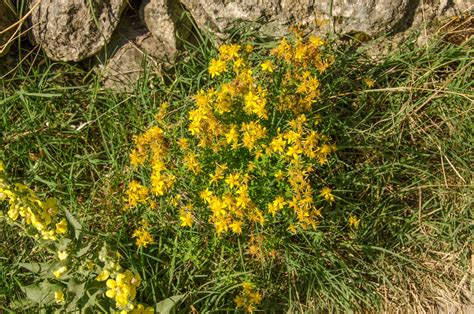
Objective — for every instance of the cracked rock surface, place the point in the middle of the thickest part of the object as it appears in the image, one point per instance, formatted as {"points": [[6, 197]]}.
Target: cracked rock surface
{"points": [[73, 30]]}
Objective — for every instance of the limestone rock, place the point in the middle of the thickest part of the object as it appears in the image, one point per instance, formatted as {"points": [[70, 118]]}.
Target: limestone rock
{"points": [[132, 48], [7, 18], [164, 19], [122, 71], [72, 30], [372, 17]]}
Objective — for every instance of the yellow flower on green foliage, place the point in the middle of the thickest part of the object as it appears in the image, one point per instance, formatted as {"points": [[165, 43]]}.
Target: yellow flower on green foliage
{"points": [[143, 237], [136, 194], [186, 220], [369, 82], [216, 67], [267, 66], [123, 289], [263, 125], [248, 298], [59, 297], [326, 193], [353, 221], [60, 271], [142, 309]]}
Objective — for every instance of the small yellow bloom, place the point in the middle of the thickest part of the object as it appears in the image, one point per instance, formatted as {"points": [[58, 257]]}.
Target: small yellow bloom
{"points": [[59, 297], [60, 271], [186, 220], [103, 276], [61, 227], [62, 255], [143, 237], [142, 309], [369, 82], [236, 227], [267, 66], [353, 221], [326, 193], [216, 67], [233, 180]]}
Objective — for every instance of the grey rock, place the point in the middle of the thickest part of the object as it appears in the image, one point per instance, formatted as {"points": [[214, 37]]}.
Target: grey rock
{"points": [[72, 30], [131, 50], [7, 19], [123, 70], [165, 19], [372, 17]]}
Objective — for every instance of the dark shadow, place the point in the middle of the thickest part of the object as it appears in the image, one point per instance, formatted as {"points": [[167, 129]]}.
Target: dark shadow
{"points": [[407, 20]]}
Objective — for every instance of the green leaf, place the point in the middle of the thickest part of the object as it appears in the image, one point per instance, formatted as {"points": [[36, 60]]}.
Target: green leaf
{"points": [[62, 244], [77, 288], [83, 250], [37, 268], [42, 293], [74, 223], [92, 299], [168, 304]]}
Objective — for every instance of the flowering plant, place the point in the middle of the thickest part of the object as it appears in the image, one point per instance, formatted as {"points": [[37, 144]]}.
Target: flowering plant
{"points": [[248, 154]]}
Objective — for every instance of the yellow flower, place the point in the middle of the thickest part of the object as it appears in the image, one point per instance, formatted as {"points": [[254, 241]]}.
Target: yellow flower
{"points": [[143, 237], [326, 193], [369, 82], [228, 52], [136, 158], [103, 276], [61, 227], [233, 180], [183, 143], [60, 271], [62, 255], [236, 227], [2, 167], [277, 204], [279, 175], [353, 221], [206, 195], [136, 194], [278, 144], [216, 67], [186, 220], [267, 66], [142, 309], [239, 301], [192, 163], [232, 137], [59, 297]]}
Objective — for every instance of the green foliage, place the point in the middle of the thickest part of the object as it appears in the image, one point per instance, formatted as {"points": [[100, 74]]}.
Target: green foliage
{"points": [[403, 128]]}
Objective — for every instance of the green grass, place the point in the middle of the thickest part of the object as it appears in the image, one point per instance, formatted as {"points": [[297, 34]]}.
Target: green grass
{"points": [[403, 166]]}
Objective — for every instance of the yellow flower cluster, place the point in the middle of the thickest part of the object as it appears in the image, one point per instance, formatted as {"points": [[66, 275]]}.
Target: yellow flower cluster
{"points": [[149, 146], [121, 284], [23, 202], [248, 298], [256, 126], [143, 237]]}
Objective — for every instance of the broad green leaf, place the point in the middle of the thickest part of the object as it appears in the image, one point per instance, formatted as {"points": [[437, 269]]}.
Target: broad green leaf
{"points": [[37, 268], [74, 223], [168, 304], [76, 287], [83, 250], [91, 301], [42, 293], [62, 244]]}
